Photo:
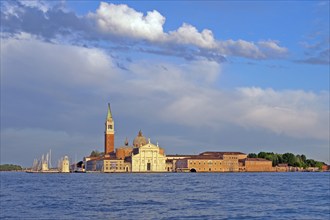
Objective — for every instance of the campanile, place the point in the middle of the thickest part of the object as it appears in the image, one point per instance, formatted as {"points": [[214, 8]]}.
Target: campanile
{"points": [[109, 133]]}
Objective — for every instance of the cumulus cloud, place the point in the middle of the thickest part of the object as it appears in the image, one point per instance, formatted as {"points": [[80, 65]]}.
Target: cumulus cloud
{"points": [[95, 61], [123, 20], [294, 113], [63, 88], [188, 34], [120, 23], [186, 89], [49, 75]]}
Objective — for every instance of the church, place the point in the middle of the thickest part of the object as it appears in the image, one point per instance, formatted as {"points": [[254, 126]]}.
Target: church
{"points": [[144, 156], [141, 156]]}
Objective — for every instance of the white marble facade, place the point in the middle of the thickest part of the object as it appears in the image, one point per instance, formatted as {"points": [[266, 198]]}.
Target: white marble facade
{"points": [[148, 159]]}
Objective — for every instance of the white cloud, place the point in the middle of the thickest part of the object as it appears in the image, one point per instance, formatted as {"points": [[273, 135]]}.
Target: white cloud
{"points": [[112, 23], [64, 87], [39, 4], [272, 46], [54, 63], [187, 90], [123, 20], [188, 34], [294, 113], [240, 48]]}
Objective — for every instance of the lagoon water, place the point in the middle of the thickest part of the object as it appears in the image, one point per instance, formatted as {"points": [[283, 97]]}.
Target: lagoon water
{"points": [[165, 196]]}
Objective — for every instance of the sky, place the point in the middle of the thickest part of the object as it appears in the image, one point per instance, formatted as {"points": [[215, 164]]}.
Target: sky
{"points": [[194, 76]]}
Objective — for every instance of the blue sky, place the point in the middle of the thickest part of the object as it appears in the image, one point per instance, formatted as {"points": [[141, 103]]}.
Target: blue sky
{"points": [[244, 76]]}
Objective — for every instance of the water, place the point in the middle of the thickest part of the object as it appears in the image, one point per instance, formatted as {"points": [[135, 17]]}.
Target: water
{"points": [[165, 196]]}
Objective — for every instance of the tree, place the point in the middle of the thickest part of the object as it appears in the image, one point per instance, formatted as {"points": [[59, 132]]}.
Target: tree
{"points": [[252, 155], [319, 164], [297, 164], [95, 153], [310, 163], [262, 154], [10, 167], [289, 158]]}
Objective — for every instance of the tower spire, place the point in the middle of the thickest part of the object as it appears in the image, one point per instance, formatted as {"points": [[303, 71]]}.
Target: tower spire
{"points": [[109, 133], [109, 115]]}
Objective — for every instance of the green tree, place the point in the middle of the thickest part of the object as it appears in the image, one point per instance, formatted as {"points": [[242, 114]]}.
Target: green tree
{"points": [[252, 155], [319, 164], [289, 158], [297, 164], [95, 153], [310, 163], [262, 154], [10, 167], [276, 159]]}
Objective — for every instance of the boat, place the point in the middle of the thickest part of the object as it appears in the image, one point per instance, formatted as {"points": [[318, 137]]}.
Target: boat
{"points": [[43, 165]]}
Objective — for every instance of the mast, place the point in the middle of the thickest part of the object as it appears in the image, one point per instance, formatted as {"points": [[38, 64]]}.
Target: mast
{"points": [[75, 162], [50, 158]]}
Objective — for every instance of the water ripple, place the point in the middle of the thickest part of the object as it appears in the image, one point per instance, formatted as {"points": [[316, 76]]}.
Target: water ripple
{"points": [[165, 196]]}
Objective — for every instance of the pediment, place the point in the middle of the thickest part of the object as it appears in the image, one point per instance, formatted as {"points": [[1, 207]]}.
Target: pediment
{"points": [[149, 146]]}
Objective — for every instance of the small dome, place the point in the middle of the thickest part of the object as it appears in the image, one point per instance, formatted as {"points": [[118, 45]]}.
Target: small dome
{"points": [[140, 140]]}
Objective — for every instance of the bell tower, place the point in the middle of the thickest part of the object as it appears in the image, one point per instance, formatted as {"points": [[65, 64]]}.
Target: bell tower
{"points": [[109, 133]]}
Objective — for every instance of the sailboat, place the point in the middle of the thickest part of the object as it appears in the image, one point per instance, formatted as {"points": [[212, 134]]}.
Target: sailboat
{"points": [[43, 165]]}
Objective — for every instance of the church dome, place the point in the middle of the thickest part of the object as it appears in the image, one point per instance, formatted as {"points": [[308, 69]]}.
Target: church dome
{"points": [[140, 140]]}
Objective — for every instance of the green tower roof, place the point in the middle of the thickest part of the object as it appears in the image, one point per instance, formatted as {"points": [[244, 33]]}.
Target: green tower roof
{"points": [[109, 115]]}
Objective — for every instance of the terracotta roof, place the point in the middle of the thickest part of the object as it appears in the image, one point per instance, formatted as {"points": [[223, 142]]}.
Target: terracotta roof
{"points": [[197, 157], [221, 153], [178, 155], [255, 159], [204, 158]]}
